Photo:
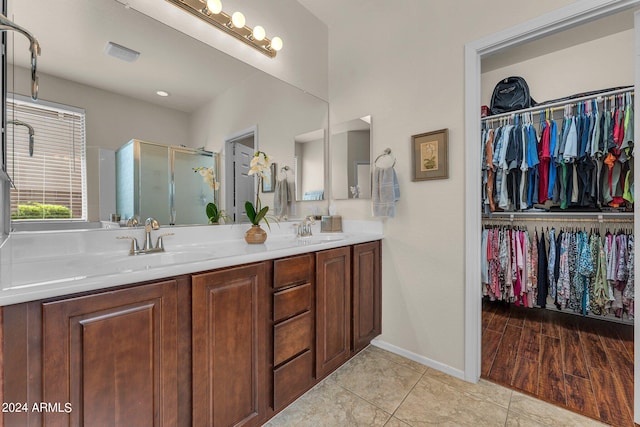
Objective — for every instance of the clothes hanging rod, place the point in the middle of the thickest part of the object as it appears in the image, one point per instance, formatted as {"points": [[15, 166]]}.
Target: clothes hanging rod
{"points": [[558, 214], [585, 220], [541, 107]]}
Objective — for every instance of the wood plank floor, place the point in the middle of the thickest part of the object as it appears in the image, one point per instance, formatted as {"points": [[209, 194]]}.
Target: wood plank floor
{"points": [[579, 363]]}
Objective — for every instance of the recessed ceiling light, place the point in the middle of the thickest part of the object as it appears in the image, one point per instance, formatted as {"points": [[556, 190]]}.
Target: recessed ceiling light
{"points": [[162, 93]]}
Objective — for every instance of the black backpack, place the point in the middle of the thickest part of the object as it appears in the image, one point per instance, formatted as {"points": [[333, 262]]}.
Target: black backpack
{"points": [[511, 94]]}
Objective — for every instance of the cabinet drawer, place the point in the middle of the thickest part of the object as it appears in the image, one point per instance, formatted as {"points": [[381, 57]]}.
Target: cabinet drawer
{"points": [[291, 337], [291, 271], [292, 379], [291, 301]]}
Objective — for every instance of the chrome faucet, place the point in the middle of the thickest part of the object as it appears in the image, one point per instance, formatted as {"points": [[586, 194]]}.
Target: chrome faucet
{"points": [[149, 224], [304, 228]]}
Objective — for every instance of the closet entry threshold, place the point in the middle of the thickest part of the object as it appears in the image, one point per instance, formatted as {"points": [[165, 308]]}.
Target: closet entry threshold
{"points": [[576, 362]]}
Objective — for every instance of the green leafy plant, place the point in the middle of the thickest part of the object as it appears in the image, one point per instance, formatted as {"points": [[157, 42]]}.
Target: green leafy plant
{"points": [[34, 210], [256, 217], [216, 215]]}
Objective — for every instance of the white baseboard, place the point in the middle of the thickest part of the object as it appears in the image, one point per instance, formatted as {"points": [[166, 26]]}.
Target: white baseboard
{"points": [[454, 372]]}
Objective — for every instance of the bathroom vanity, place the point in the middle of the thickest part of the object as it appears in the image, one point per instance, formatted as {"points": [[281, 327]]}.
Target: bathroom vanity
{"points": [[228, 345]]}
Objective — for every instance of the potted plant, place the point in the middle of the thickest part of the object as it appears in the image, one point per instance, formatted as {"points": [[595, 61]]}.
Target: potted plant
{"points": [[256, 212], [214, 214]]}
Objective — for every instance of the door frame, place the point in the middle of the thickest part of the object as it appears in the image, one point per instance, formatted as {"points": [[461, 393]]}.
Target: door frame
{"points": [[553, 22], [228, 161]]}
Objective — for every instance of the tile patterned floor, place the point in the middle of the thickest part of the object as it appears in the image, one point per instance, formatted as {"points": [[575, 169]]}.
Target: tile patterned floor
{"points": [[379, 388]]}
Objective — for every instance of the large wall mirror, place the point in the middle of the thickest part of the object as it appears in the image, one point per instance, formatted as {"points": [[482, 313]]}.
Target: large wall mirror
{"points": [[351, 159], [309, 165], [208, 95]]}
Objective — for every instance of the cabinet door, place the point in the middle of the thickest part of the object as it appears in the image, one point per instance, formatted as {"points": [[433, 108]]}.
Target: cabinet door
{"points": [[333, 309], [112, 357], [230, 317], [367, 290]]}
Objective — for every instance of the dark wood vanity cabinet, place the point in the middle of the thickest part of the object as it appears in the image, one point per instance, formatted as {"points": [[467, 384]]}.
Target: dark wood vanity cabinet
{"points": [[109, 358], [226, 347], [293, 328], [366, 294], [230, 310], [333, 313]]}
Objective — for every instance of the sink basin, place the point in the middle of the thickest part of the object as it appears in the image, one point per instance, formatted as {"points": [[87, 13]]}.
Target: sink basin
{"points": [[160, 259], [321, 238], [100, 264], [328, 237]]}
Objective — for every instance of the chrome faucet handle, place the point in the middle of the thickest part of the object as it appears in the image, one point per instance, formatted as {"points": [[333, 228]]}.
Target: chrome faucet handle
{"points": [[132, 222], [134, 244], [160, 243], [149, 224]]}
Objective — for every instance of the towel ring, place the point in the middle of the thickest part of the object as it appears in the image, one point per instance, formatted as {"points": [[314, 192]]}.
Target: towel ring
{"points": [[387, 152]]}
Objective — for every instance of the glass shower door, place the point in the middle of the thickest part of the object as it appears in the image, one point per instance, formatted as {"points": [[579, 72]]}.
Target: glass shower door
{"points": [[190, 191]]}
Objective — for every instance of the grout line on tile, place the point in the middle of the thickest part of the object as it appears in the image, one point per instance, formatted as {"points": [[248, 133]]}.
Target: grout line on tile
{"points": [[363, 399], [407, 395]]}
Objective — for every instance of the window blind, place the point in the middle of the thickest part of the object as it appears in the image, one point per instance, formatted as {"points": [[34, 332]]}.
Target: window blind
{"points": [[51, 185]]}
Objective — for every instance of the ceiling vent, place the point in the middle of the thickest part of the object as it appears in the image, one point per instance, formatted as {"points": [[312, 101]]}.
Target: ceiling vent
{"points": [[121, 52]]}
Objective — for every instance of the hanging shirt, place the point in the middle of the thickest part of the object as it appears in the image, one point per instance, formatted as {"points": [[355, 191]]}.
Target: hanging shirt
{"points": [[543, 270], [551, 263], [553, 142], [571, 147], [544, 155]]}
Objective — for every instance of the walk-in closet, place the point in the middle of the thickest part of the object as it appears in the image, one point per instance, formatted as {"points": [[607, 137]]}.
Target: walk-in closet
{"points": [[557, 247]]}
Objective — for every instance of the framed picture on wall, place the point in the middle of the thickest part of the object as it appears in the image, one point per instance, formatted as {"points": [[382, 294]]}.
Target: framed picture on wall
{"points": [[268, 183], [430, 156]]}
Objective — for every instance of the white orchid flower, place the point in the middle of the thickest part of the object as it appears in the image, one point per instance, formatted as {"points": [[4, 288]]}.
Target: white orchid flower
{"points": [[259, 164]]}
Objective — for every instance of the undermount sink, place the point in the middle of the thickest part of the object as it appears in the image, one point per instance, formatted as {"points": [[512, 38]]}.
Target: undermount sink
{"points": [[328, 237], [322, 238]]}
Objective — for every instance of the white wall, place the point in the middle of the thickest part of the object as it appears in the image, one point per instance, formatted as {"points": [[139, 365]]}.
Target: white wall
{"points": [[411, 80], [571, 70], [111, 120]]}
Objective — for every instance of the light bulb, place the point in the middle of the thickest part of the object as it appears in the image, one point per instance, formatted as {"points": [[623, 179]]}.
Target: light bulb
{"points": [[276, 43], [238, 19], [259, 33], [214, 6]]}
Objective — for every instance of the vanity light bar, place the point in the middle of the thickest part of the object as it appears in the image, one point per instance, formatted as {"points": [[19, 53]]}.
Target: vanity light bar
{"points": [[222, 21]]}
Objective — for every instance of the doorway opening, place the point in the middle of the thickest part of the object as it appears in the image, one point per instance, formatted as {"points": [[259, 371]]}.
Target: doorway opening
{"points": [[551, 23], [240, 186]]}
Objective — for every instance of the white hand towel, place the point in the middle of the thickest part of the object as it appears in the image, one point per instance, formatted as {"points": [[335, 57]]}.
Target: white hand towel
{"points": [[281, 198], [385, 192]]}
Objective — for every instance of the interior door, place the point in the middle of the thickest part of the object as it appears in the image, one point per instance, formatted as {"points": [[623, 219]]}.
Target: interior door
{"points": [[243, 183]]}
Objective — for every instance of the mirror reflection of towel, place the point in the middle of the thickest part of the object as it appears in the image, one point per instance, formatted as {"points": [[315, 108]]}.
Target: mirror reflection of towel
{"points": [[385, 192], [281, 197]]}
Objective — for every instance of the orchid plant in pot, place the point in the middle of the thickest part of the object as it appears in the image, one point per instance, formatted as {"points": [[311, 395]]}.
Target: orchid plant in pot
{"points": [[256, 213], [214, 214]]}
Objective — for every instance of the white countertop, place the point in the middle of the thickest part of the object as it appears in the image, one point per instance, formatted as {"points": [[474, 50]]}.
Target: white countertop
{"points": [[38, 265]]}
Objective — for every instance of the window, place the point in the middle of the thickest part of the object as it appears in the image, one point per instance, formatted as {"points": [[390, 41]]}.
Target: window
{"points": [[51, 184]]}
